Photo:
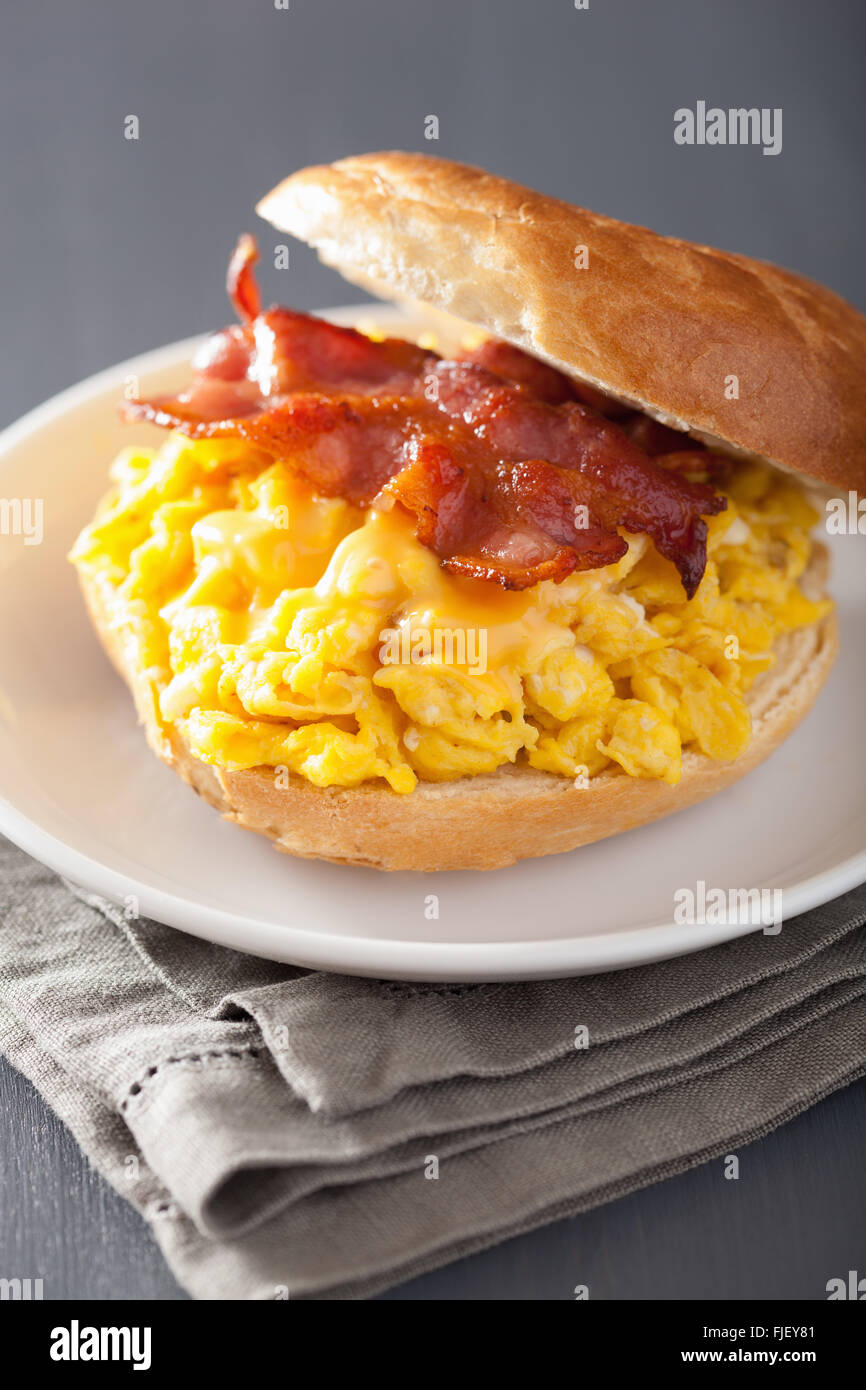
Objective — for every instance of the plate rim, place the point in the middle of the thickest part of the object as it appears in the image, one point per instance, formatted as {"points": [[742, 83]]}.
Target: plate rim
{"points": [[411, 960], [379, 957]]}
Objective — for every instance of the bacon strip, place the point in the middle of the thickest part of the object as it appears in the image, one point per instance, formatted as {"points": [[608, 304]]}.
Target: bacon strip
{"points": [[509, 475], [516, 524], [623, 485], [512, 363], [549, 384], [655, 438], [241, 284]]}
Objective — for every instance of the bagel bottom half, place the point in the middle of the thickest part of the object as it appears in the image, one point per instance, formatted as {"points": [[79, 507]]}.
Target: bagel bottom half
{"points": [[491, 820]]}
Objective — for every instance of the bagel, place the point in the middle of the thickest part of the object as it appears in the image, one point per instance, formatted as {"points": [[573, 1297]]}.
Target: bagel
{"points": [[653, 323]]}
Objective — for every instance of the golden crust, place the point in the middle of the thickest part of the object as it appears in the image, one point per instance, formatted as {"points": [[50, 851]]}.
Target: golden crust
{"points": [[656, 321], [484, 822]]}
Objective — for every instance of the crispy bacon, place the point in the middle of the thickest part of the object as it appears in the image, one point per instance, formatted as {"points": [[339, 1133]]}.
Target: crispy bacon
{"points": [[512, 363], [623, 485], [294, 352], [346, 446], [546, 382], [241, 282], [517, 524], [509, 475], [654, 438]]}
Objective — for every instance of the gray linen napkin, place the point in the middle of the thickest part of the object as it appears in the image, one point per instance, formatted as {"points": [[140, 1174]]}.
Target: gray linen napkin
{"points": [[295, 1134]]}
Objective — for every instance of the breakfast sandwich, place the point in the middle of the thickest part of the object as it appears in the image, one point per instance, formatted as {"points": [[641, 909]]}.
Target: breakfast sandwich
{"points": [[537, 571]]}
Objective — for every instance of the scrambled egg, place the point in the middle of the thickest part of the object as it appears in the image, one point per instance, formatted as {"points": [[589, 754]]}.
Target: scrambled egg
{"points": [[300, 633]]}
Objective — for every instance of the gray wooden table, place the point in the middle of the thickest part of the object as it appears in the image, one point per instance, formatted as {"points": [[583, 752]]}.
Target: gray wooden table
{"points": [[109, 247], [795, 1219]]}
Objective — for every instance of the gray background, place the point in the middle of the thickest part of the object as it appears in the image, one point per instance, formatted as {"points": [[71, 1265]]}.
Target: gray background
{"points": [[109, 247]]}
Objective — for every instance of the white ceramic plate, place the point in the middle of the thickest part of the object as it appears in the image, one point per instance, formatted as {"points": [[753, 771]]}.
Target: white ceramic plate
{"points": [[80, 791]]}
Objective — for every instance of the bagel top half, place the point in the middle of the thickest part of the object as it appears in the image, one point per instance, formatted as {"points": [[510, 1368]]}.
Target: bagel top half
{"points": [[654, 321]]}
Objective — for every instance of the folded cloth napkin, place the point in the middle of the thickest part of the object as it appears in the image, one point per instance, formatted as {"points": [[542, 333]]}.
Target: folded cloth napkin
{"points": [[293, 1134]]}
